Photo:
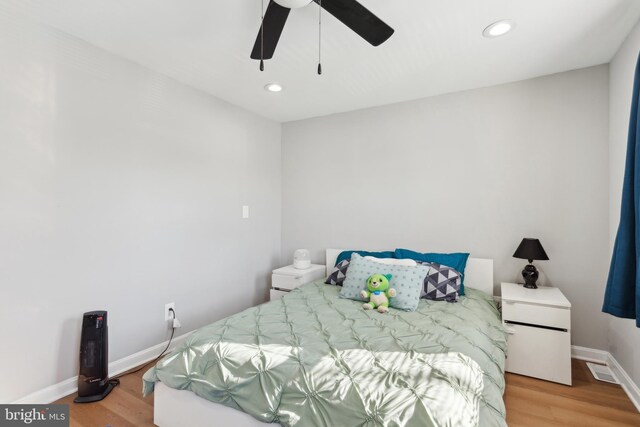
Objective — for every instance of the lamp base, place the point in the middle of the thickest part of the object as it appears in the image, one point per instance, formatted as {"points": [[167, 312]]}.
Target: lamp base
{"points": [[530, 275]]}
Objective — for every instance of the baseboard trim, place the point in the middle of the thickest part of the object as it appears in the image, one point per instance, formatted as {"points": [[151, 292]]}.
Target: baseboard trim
{"points": [[70, 386], [606, 358], [589, 354], [625, 380]]}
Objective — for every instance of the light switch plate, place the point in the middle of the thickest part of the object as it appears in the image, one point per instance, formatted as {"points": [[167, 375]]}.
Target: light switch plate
{"points": [[245, 212]]}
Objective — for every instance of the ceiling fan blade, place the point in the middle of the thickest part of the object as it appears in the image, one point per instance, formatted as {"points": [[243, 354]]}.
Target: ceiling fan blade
{"points": [[359, 19], [274, 19]]}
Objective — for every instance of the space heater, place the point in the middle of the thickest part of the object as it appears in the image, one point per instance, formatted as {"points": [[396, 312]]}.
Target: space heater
{"points": [[93, 380]]}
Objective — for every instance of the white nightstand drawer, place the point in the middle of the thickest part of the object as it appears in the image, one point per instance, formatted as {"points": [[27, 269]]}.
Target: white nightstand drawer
{"points": [[539, 326], [289, 278], [275, 294], [286, 282], [539, 353], [554, 317]]}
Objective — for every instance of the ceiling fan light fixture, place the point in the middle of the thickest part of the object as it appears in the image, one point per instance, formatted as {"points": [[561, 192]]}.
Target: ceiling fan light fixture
{"points": [[293, 4], [273, 87], [350, 12], [499, 28]]}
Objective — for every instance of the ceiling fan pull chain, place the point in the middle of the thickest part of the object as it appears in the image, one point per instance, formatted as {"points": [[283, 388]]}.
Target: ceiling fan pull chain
{"points": [[320, 38], [262, 36]]}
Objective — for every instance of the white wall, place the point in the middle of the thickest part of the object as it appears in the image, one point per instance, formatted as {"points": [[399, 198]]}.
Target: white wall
{"points": [[472, 171], [624, 336], [120, 189]]}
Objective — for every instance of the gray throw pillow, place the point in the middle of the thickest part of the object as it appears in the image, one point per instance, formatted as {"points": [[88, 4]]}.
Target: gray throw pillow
{"points": [[442, 283], [338, 274]]}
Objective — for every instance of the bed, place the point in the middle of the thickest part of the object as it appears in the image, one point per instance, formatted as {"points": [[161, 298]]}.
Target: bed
{"points": [[313, 358]]}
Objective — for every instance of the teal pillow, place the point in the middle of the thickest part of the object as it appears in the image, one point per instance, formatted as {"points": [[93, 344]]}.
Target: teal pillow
{"points": [[457, 261], [347, 254], [407, 281]]}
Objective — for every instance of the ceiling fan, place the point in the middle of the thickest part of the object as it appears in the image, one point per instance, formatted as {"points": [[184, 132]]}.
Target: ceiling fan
{"points": [[349, 12]]}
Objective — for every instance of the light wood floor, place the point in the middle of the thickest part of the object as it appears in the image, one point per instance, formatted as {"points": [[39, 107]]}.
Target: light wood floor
{"points": [[530, 402], [587, 403]]}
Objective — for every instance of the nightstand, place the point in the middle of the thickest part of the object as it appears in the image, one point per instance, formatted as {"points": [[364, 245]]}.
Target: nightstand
{"points": [[539, 325], [287, 278]]}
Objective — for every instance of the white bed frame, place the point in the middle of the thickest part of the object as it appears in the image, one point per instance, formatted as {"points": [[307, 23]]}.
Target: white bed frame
{"points": [[179, 408]]}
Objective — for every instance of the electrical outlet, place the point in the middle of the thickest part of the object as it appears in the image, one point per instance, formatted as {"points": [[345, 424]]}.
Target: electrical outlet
{"points": [[167, 313]]}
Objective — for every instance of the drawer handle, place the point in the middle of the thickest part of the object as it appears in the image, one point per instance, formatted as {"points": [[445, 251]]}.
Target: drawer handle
{"points": [[511, 331], [531, 325]]}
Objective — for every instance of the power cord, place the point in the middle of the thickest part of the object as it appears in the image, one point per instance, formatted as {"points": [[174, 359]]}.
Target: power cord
{"points": [[174, 325]]}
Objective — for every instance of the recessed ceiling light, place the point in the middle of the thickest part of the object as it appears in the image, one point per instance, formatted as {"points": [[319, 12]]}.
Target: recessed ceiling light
{"points": [[498, 29], [273, 87]]}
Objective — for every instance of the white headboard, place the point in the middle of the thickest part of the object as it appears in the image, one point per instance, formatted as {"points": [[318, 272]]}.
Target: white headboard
{"points": [[478, 274]]}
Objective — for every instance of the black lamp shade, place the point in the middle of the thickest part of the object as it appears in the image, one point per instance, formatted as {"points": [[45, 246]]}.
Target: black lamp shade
{"points": [[531, 249]]}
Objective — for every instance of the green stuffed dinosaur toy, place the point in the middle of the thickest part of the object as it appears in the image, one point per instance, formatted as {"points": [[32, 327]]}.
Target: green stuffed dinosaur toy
{"points": [[378, 293]]}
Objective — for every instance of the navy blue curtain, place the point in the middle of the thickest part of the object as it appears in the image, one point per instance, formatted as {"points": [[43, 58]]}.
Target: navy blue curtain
{"points": [[622, 296]]}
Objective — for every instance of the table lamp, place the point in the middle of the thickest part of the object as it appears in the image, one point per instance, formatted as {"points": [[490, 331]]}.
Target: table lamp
{"points": [[530, 249]]}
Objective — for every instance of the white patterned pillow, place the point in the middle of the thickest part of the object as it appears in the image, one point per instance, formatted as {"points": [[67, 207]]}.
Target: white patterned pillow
{"points": [[406, 280], [392, 261]]}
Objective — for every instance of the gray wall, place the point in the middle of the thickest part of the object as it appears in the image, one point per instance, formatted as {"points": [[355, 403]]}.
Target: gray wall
{"points": [[624, 336], [121, 189], [472, 171]]}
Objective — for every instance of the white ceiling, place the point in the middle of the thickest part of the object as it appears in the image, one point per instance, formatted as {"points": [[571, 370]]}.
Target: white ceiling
{"points": [[437, 46]]}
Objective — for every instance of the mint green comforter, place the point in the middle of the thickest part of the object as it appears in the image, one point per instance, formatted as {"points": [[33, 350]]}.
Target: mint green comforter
{"points": [[314, 359]]}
